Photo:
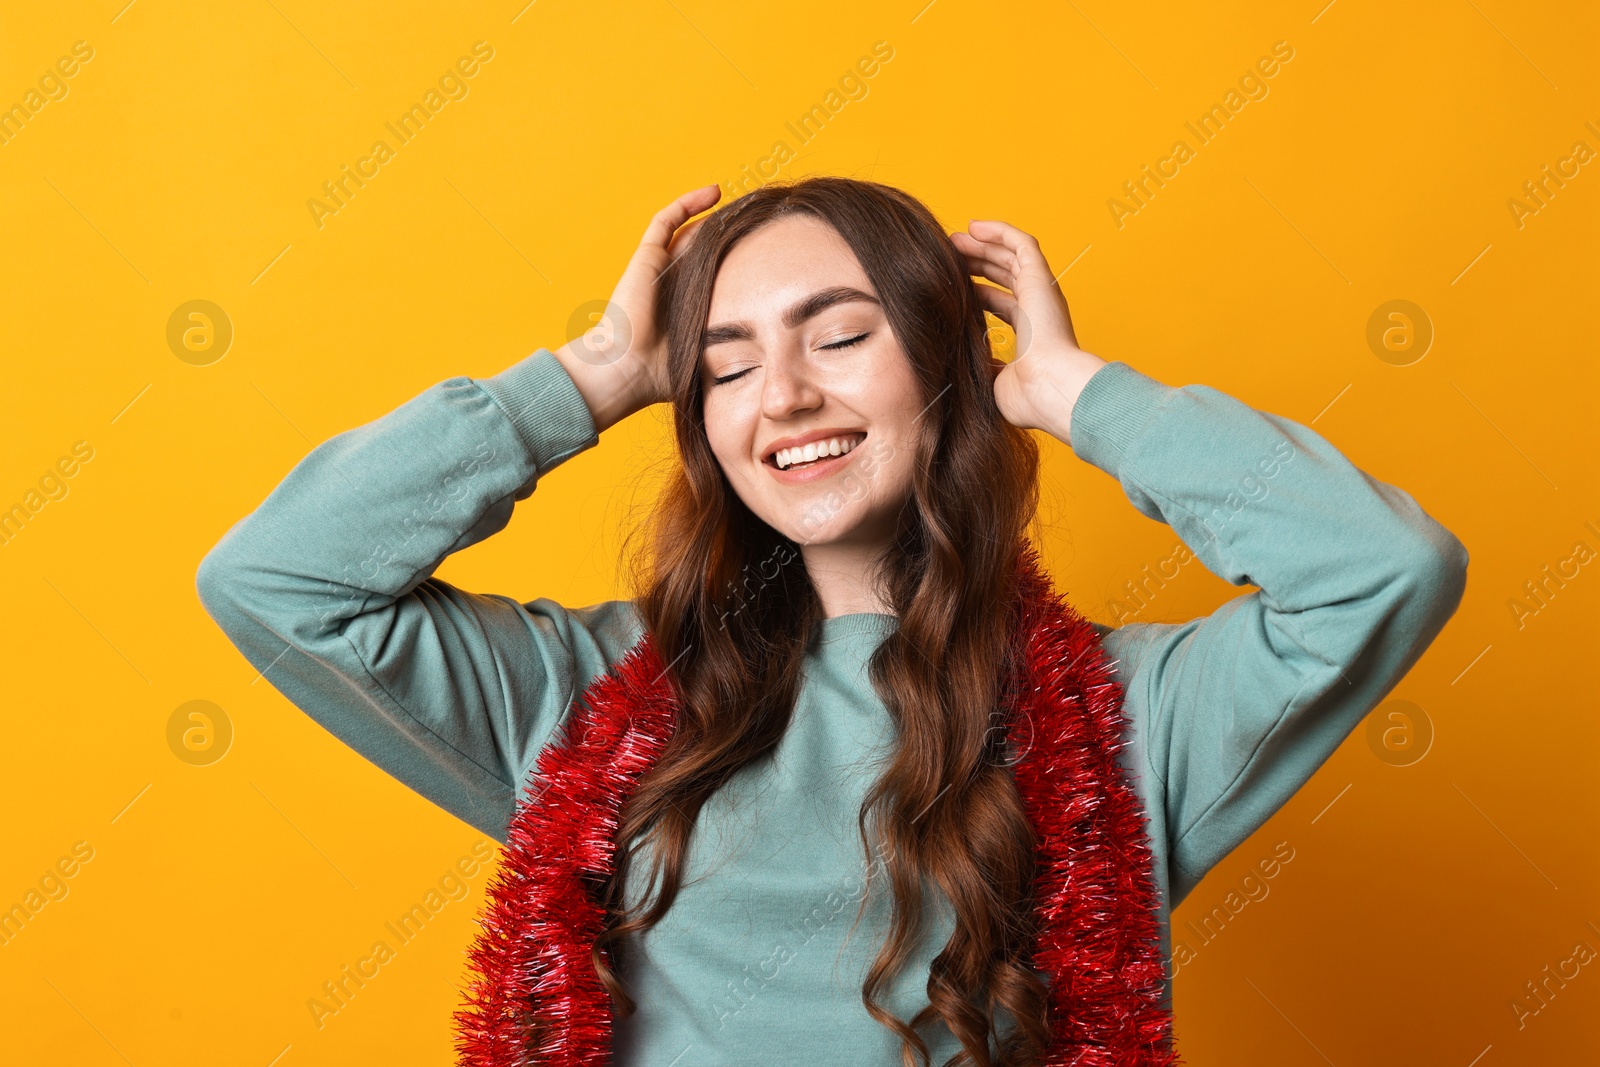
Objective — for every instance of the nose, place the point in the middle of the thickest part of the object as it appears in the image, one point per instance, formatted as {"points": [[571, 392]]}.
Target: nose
{"points": [[787, 387]]}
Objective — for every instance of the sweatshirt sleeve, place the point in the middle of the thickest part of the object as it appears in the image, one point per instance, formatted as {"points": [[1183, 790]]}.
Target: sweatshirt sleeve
{"points": [[326, 588], [1235, 711]]}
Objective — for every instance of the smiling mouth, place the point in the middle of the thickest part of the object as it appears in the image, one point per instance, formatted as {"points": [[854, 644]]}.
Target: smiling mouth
{"points": [[810, 454]]}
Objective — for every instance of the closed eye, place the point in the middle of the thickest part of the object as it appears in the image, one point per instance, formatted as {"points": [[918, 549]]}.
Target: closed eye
{"points": [[847, 343]]}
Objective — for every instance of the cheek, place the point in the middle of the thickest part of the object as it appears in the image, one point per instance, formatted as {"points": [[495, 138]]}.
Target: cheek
{"points": [[728, 447], [725, 460], [730, 420], [716, 422], [885, 469]]}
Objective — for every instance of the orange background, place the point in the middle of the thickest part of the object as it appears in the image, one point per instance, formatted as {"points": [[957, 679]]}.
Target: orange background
{"points": [[1421, 896]]}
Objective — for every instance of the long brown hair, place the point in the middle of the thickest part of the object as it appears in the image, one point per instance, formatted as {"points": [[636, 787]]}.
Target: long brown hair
{"points": [[731, 609]]}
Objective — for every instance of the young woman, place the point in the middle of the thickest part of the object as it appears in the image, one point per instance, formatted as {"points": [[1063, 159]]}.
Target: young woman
{"points": [[847, 780]]}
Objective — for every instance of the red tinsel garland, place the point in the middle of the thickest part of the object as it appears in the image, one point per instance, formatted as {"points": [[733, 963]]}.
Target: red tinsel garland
{"points": [[536, 999]]}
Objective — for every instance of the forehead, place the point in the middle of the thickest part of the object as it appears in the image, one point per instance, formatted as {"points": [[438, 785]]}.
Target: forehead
{"points": [[780, 263]]}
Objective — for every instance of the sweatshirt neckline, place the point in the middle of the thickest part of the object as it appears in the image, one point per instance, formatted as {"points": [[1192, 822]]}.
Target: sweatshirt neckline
{"points": [[858, 622]]}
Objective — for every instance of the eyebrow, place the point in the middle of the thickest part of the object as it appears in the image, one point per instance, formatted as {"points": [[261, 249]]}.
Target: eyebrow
{"points": [[793, 315]]}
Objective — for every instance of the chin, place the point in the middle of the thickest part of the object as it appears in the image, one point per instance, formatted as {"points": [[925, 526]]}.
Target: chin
{"points": [[821, 524]]}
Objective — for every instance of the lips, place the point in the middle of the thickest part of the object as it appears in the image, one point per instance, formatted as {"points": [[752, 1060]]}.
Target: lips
{"points": [[806, 472], [774, 447]]}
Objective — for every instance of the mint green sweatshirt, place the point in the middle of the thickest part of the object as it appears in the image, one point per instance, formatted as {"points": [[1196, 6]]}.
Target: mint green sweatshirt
{"points": [[327, 589]]}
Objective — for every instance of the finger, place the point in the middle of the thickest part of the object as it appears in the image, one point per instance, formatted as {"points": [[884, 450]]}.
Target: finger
{"points": [[1000, 304], [666, 221], [1023, 247], [685, 236], [971, 246], [982, 268], [990, 272], [977, 251], [985, 244], [1003, 233], [988, 255]]}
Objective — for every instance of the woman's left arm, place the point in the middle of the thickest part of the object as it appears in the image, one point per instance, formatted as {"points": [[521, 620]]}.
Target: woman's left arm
{"points": [[1235, 710], [1238, 709]]}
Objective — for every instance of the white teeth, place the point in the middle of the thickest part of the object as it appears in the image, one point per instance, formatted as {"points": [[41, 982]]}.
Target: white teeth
{"points": [[833, 446]]}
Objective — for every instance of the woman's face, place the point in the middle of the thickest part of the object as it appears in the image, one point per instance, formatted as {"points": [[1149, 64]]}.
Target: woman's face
{"points": [[805, 354]]}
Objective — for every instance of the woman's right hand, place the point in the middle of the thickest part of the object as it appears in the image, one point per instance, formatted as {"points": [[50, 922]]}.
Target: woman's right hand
{"points": [[619, 362]]}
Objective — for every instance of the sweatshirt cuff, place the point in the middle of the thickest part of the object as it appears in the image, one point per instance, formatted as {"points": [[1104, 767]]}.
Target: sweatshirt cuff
{"points": [[550, 415], [1110, 413]]}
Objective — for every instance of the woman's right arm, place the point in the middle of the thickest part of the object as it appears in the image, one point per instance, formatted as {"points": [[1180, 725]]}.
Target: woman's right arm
{"points": [[326, 588]]}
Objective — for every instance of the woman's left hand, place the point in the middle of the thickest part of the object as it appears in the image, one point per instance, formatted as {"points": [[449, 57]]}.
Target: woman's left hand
{"points": [[1037, 389]]}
